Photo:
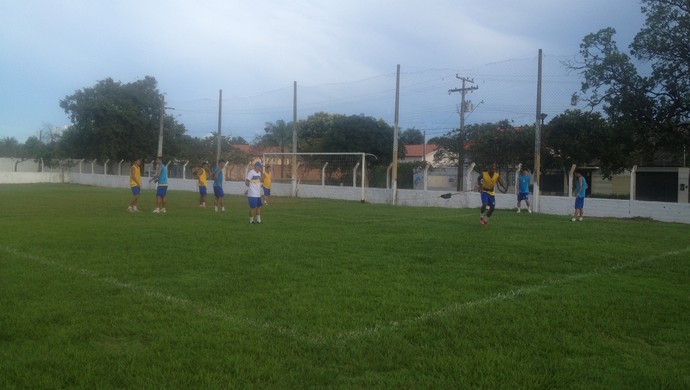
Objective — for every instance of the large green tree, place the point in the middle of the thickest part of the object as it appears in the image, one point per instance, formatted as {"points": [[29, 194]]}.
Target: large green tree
{"points": [[323, 132], [10, 147], [112, 120], [647, 113], [580, 138], [411, 137]]}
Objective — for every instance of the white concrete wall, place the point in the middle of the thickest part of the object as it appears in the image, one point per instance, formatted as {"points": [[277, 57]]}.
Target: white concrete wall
{"points": [[556, 205]]}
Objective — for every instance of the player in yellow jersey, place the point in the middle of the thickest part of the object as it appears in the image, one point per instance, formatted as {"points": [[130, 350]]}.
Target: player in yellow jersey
{"points": [[201, 175], [135, 185], [487, 182], [266, 179]]}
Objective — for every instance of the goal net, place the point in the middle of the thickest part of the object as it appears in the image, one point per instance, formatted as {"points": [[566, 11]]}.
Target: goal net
{"points": [[328, 169]]}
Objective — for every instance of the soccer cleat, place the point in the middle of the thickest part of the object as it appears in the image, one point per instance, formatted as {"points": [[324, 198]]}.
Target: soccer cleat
{"points": [[581, 219], [529, 210], [573, 219], [519, 210], [129, 208], [156, 211]]}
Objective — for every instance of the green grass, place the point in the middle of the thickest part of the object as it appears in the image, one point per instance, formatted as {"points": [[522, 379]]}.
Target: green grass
{"points": [[332, 294]]}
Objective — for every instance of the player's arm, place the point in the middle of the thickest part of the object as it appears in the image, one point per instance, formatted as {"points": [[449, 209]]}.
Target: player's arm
{"points": [[158, 173]]}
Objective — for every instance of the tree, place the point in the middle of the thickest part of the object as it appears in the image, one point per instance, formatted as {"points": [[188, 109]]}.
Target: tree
{"points": [[359, 133], [580, 138], [647, 113], [411, 137], [9, 147], [312, 131], [277, 134], [119, 121], [500, 143]]}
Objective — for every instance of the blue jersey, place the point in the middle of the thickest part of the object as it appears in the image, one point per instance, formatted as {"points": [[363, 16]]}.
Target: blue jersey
{"points": [[217, 176], [523, 183], [581, 187], [163, 177]]}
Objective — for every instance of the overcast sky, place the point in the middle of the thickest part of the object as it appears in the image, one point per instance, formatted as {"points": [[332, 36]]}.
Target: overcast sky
{"points": [[342, 54]]}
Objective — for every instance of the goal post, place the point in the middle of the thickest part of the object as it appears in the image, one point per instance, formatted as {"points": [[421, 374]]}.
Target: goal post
{"points": [[325, 169]]}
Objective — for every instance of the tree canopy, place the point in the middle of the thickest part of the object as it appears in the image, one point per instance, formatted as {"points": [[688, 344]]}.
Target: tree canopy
{"points": [[119, 121], [648, 113], [324, 132]]}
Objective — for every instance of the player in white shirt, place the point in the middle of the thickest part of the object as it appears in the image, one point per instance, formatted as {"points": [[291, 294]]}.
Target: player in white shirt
{"points": [[253, 181]]}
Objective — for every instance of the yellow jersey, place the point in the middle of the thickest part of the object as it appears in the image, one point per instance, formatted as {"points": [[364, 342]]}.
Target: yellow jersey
{"points": [[134, 176], [266, 180], [201, 175], [489, 182]]}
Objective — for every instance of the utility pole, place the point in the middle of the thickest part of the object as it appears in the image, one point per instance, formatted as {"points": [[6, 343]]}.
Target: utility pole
{"points": [[160, 131], [395, 136], [294, 139], [461, 137], [220, 115], [537, 141]]}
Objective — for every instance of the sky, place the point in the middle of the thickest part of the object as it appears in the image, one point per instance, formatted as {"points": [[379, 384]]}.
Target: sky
{"points": [[342, 55]]}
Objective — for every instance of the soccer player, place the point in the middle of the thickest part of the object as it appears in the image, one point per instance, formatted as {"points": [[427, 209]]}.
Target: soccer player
{"points": [[523, 189], [580, 193], [218, 186], [161, 178], [201, 177], [253, 181], [266, 183], [135, 185], [487, 182]]}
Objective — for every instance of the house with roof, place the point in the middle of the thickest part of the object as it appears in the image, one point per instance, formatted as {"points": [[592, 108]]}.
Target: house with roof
{"points": [[421, 152]]}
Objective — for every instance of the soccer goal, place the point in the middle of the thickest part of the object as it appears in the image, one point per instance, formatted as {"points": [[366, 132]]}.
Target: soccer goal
{"points": [[325, 169]]}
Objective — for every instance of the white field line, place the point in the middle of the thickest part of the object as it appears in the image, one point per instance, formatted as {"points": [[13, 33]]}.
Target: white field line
{"points": [[342, 336]]}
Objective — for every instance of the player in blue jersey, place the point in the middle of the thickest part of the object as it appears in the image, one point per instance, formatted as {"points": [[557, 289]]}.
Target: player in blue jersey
{"points": [[523, 189], [161, 178], [219, 200], [580, 193]]}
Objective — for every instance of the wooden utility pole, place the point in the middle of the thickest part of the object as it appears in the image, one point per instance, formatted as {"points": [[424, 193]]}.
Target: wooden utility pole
{"points": [[461, 137]]}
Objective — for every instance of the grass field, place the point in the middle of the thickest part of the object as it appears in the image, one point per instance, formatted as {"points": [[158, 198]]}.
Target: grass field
{"points": [[332, 294]]}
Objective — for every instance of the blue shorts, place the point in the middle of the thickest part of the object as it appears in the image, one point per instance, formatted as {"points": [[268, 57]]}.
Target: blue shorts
{"points": [[579, 203], [254, 203], [267, 191], [523, 196], [136, 190], [488, 199], [161, 191], [218, 192], [202, 190]]}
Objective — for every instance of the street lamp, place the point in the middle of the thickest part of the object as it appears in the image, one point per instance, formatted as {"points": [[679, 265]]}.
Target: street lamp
{"points": [[543, 116]]}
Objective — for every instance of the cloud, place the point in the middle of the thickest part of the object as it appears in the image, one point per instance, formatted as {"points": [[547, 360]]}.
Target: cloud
{"points": [[342, 54]]}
